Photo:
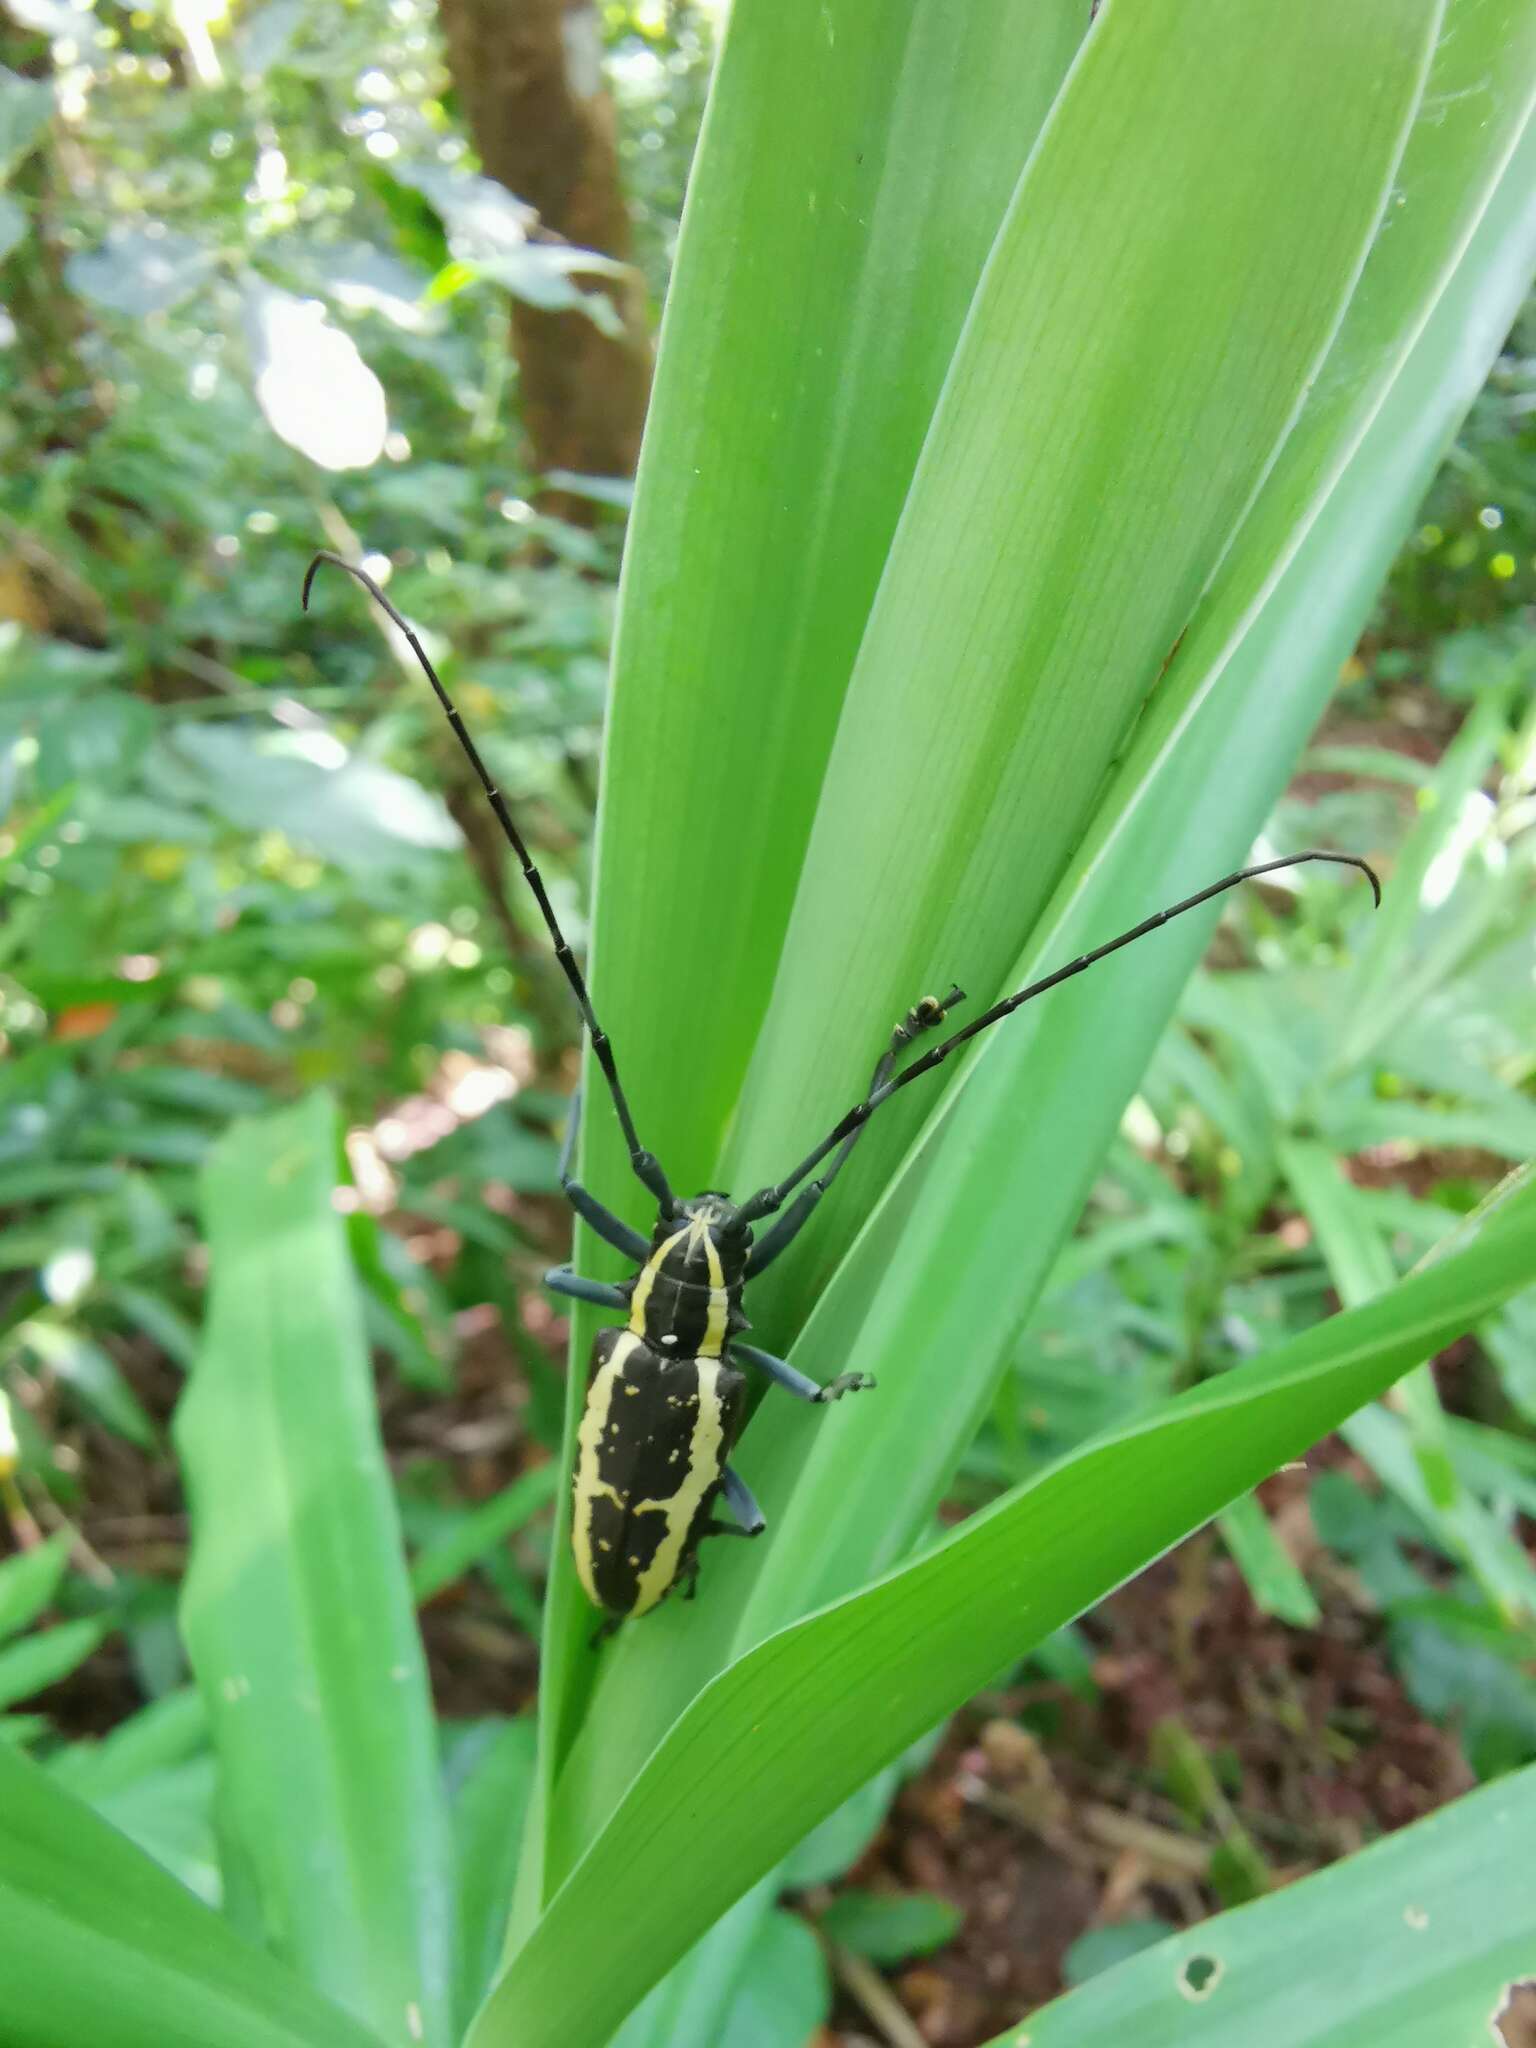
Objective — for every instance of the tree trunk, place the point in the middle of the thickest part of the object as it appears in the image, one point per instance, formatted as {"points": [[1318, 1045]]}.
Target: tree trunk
{"points": [[529, 77]]}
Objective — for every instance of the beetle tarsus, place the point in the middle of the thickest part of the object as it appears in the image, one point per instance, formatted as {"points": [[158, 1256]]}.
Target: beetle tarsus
{"points": [[845, 1383]]}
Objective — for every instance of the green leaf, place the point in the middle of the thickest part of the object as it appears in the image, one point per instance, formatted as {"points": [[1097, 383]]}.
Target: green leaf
{"points": [[493, 1785], [92, 1376], [22, 1730], [168, 1731], [1102, 1947], [1267, 1566], [1183, 749], [1410, 1455], [796, 1724], [996, 815], [296, 1609], [888, 1927], [29, 1581], [159, 1321], [14, 223], [169, 1814], [1412, 1942], [358, 814], [480, 1530], [776, 463], [39, 1660], [771, 481], [782, 1995], [137, 273], [26, 108], [99, 1944], [995, 1196], [1109, 299]]}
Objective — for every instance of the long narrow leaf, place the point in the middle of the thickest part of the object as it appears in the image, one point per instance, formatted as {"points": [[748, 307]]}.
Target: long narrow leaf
{"points": [[98, 1944], [1442, 1912], [791, 1727], [771, 482], [950, 1267], [1136, 342], [831, 243], [943, 1299], [297, 1610]]}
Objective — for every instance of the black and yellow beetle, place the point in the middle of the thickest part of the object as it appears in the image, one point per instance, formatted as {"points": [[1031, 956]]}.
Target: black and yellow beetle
{"points": [[665, 1397]]}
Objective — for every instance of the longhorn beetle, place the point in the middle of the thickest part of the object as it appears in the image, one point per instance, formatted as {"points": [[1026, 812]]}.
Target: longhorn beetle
{"points": [[665, 1397]]}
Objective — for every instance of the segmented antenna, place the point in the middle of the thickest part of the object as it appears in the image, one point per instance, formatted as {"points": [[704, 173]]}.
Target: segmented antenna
{"points": [[767, 1200], [643, 1162]]}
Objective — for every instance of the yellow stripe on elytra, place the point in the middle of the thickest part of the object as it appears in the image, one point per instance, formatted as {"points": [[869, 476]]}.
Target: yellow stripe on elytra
{"points": [[589, 1486], [706, 1455]]}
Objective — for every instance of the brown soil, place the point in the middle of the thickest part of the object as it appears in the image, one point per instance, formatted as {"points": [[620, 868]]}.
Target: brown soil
{"points": [[1038, 1841]]}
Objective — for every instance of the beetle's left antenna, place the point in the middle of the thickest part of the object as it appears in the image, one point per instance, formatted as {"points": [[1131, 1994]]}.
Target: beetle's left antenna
{"points": [[645, 1164]]}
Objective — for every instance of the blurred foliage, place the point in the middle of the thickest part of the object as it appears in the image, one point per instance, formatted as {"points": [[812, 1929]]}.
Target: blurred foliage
{"points": [[229, 867], [1470, 568], [232, 848]]}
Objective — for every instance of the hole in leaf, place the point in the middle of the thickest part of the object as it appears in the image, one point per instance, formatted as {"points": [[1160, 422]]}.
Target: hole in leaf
{"points": [[1514, 2018], [1199, 1978]]}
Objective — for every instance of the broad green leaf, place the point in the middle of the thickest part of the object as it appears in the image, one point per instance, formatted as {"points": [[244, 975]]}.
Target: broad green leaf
{"points": [[889, 1927], [1414, 1941], [830, 247], [796, 1724], [1134, 342], [783, 1996], [994, 1186], [98, 1944], [946, 1274], [771, 482], [296, 1608], [26, 108], [1102, 1947], [949, 1269]]}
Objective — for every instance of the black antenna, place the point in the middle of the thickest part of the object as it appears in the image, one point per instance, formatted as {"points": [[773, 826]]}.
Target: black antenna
{"points": [[767, 1200], [643, 1162]]}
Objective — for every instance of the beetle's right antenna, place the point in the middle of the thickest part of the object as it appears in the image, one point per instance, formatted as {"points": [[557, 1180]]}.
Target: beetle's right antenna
{"points": [[645, 1164], [767, 1200]]}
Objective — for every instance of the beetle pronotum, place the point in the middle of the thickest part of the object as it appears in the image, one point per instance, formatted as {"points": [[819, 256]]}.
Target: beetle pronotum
{"points": [[666, 1399]]}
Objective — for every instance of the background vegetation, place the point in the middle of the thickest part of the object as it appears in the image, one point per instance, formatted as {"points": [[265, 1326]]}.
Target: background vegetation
{"points": [[242, 860]]}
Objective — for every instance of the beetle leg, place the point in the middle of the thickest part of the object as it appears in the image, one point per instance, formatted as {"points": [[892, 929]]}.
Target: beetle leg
{"points": [[561, 1280], [738, 1498], [923, 1016], [610, 1228], [796, 1382], [787, 1229]]}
